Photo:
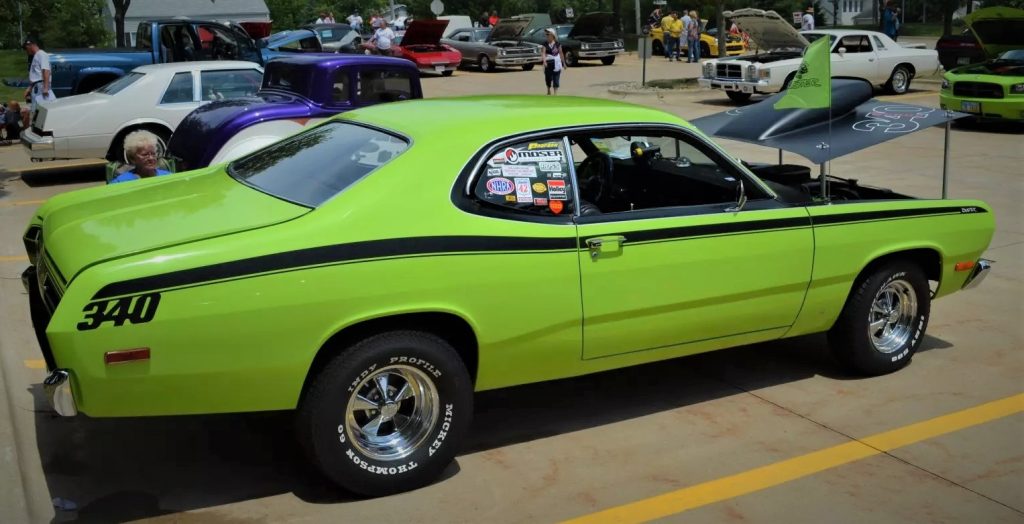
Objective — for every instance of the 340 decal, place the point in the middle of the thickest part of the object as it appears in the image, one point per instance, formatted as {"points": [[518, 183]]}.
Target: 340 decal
{"points": [[134, 310]]}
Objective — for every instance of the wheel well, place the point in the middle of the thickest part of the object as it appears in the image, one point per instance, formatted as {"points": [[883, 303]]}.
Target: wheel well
{"points": [[452, 328], [93, 82], [928, 260], [910, 67]]}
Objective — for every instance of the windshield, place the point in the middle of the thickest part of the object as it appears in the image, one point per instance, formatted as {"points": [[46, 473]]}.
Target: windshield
{"points": [[1016, 55], [120, 83], [563, 31], [313, 166], [334, 33]]}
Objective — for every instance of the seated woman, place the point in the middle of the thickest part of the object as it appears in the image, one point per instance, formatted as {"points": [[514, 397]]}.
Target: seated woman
{"points": [[140, 148]]}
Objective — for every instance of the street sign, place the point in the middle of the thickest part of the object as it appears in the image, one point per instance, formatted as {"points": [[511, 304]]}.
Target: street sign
{"points": [[436, 7]]}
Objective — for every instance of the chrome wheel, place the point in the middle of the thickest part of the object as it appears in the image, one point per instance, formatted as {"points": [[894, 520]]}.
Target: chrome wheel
{"points": [[891, 317], [900, 80], [391, 412]]}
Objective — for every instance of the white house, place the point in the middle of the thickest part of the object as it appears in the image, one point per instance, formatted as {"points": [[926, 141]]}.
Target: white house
{"points": [[850, 12], [141, 10]]}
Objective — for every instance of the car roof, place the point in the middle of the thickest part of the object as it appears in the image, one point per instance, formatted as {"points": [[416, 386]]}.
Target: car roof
{"points": [[330, 60], [488, 118], [841, 32], [204, 65]]}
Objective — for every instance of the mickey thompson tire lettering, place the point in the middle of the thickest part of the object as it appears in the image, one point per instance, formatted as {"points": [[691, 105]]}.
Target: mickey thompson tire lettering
{"points": [[328, 437], [849, 338]]}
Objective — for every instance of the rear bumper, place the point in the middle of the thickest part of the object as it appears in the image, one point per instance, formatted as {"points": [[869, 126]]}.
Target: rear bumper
{"points": [[38, 147], [981, 270]]}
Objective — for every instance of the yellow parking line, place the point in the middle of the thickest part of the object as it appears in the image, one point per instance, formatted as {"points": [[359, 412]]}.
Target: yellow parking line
{"points": [[35, 363], [781, 472], [15, 258], [14, 203]]}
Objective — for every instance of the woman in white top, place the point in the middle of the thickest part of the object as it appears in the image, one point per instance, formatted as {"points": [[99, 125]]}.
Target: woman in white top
{"points": [[551, 52]]}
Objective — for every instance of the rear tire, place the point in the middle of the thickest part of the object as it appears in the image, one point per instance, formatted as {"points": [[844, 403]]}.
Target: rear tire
{"points": [[738, 96], [899, 80], [884, 320], [608, 60], [387, 414]]}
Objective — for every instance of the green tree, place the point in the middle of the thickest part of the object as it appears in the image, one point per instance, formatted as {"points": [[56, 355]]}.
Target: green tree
{"points": [[75, 23]]}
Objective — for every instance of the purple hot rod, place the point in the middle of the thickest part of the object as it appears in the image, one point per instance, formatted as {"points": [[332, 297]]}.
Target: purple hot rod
{"points": [[296, 92]]}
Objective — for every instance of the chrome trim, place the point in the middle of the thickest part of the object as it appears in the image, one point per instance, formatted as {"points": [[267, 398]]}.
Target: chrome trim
{"points": [[981, 270], [60, 394]]}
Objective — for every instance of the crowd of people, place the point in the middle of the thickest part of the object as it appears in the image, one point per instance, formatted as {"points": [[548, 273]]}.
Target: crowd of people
{"points": [[675, 29]]}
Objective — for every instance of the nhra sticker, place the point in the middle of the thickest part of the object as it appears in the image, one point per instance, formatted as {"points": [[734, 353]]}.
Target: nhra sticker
{"points": [[549, 166], [556, 190], [519, 171], [539, 188], [513, 156], [542, 145], [523, 193], [500, 186], [493, 171]]}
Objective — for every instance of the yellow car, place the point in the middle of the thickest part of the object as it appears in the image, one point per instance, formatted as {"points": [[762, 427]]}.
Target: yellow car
{"points": [[708, 43]]}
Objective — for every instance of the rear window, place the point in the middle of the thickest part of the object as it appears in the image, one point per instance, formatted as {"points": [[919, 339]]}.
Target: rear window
{"points": [[120, 83], [313, 166], [288, 77]]}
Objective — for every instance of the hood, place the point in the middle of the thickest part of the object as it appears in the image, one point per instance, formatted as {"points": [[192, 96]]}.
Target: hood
{"points": [[424, 32], [1010, 68], [595, 24], [997, 29], [204, 131], [509, 30], [768, 29], [107, 222]]}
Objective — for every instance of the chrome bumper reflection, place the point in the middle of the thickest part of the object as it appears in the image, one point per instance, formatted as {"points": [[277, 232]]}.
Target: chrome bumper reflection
{"points": [[59, 393], [981, 270]]}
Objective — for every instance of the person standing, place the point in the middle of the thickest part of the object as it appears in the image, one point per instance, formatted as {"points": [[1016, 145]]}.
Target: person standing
{"points": [[693, 39], [493, 20], [39, 75], [666, 34], [356, 22], [551, 53], [807, 21], [889, 20], [676, 31], [484, 21], [380, 42]]}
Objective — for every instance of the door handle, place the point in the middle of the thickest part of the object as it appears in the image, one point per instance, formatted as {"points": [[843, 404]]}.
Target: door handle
{"points": [[610, 245]]}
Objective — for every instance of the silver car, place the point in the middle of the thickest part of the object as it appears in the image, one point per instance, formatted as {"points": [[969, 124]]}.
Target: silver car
{"points": [[499, 46]]}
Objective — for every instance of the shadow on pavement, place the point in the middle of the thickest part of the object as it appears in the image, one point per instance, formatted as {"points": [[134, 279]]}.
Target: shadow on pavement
{"points": [[1003, 128], [59, 176], [133, 468]]}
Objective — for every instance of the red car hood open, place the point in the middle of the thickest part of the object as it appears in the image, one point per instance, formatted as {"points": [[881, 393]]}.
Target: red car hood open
{"points": [[424, 32]]}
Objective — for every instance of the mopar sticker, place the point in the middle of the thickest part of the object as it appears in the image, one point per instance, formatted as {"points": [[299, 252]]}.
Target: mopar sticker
{"points": [[500, 186]]}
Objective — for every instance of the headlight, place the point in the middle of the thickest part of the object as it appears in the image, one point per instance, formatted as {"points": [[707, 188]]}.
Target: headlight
{"points": [[752, 71], [501, 51], [620, 43], [709, 70], [584, 46], [1017, 89]]}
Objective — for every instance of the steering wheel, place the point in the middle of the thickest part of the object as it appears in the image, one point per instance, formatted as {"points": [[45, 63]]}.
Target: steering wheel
{"points": [[595, 177]]}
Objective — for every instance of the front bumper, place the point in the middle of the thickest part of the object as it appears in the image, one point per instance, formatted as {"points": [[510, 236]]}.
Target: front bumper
{"points": [[981, 270], [1010, 108], [600, 53], [38, 147], [518, 60], [735, 85]]}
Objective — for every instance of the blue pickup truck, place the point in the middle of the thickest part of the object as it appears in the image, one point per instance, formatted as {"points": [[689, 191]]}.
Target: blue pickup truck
{"points": [[157, 41]]}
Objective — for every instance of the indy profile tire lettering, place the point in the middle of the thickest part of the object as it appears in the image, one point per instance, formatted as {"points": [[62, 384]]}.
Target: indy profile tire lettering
{"points": [[387, 414], [884, 320]]}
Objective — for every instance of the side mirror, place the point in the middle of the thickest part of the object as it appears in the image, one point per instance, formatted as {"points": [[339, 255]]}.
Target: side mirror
{"points": [[842, 51], [741, 199]]}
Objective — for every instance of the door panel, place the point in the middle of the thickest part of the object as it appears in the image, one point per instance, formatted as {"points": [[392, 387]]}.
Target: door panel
{"points": [[859, 61], [688, 278]]}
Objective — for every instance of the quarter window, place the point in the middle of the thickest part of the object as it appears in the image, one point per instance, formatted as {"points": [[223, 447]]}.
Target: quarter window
{"points": [[180, 89], [528, 177], [340, 91]]}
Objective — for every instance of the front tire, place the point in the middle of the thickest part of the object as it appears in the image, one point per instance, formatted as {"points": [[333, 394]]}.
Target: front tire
{"points": [[571, 59], [899, 80], [485, 64], [738, 96], [528, 67], [608, 60], [447, 72], [884, 320], [387, 414]]}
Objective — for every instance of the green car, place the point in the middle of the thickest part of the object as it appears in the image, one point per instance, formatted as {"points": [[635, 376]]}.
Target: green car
{"points": [[374, 271], [994, 89]]}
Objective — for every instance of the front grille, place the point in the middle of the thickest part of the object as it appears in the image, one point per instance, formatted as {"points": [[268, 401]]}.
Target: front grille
{"points": [[978, 90], [729, 71], [519, 51], [602, 45]]}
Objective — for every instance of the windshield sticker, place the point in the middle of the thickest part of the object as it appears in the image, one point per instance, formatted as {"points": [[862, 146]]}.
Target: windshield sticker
{"points": [[514, 156], [523, 193], [550, 166], [519, 171], [893, 119], [540, 201], [500, 186], [510, 198], [556, 190], [555, 206], [543, 145], [539, 188], [493, 171]]}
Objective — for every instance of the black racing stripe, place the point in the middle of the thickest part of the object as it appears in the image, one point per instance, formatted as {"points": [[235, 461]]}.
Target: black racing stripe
{"points": [[337, 253], [894, 213], [678, 233]]}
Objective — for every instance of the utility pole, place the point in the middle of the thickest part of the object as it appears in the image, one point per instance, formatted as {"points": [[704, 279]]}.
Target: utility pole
{"points": [[21, 32]]}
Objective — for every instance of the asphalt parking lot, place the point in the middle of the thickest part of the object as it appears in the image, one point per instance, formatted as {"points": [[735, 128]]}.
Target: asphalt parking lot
{"points": [[772, 432]]}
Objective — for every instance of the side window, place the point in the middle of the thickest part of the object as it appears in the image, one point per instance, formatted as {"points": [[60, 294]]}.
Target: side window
{"points": [[340, 92], [218, 43], [855, 44], [179, 90], [878, 43], [383, 86], [144, 40], [462, 36], [529, 177], [621, 173], [218, 85], [305, 45]]}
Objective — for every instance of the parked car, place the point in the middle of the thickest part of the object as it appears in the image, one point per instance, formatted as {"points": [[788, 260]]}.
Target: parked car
{"points": [[500, 46], [155, 98], [708, 42], [78, 71], [989, 32], [298, 91], [991, 90], [338, 38], [594, 36], [870, 55], [286, 43], [421, 43], [356, 272]]}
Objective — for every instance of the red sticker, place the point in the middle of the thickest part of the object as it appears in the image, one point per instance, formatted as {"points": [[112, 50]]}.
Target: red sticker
{"points": [[556, 206]]}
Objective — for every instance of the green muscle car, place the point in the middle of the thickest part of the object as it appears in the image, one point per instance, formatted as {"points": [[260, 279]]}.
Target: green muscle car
{"points": [[374, 271]]}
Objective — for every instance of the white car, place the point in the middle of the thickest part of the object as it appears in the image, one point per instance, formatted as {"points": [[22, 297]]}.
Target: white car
{"points": [[153, 97], [870, 55]]}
